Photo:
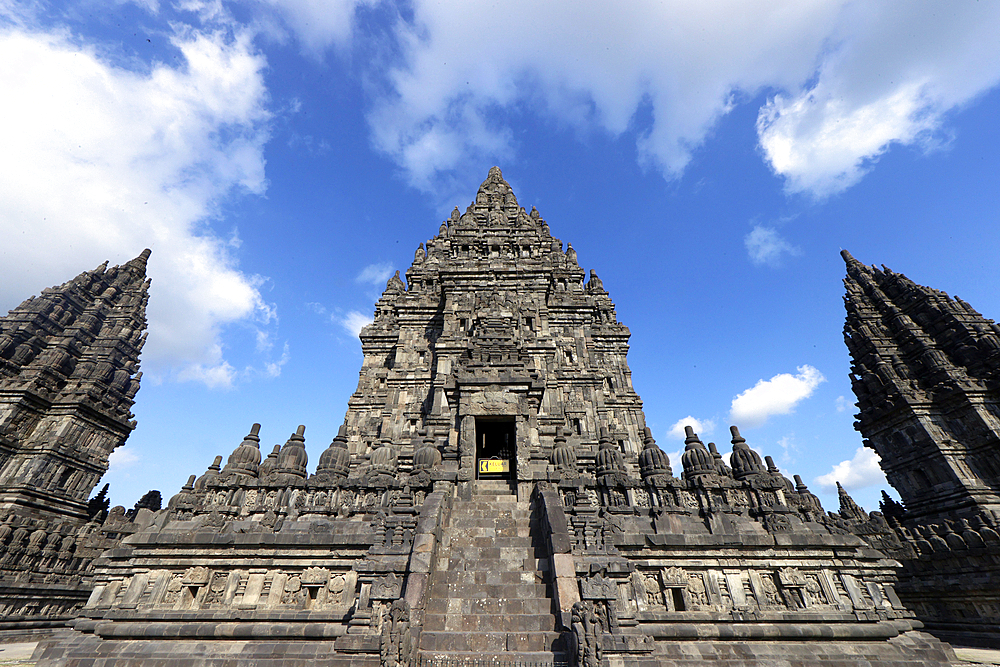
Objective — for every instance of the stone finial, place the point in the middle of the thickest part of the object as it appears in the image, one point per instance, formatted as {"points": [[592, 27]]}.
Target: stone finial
{"points": [[245, 459], [292, 458], [743, 460], [609, 457], [269, 464], [426, 455], [336, 459], [771, 468], [140, 261], [720, 463], [652, 459], [563, 454], [848, 508], [210, 474], [696, 460], [595, 284], [384, 458], [395, 285]]}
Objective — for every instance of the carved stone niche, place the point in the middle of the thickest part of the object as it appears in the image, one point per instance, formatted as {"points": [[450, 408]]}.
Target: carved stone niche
{"points": [[675, 583], [314, 581], [793, 583], [193, 580]]}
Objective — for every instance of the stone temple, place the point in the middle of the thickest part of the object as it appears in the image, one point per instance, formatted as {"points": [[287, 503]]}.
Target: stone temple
{"points": [[493, 496]]}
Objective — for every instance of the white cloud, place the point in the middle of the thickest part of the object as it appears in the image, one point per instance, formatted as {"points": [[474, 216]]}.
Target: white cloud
{"points": [[101, 161], [319, 24], [777, 396], [893, 73], [273, 368], [842, 404], [852, 78], [317, 308], [701, 427], [766, 246], [788, 448], [860, 472], [121, 458], [354, 322], [375, 274]]}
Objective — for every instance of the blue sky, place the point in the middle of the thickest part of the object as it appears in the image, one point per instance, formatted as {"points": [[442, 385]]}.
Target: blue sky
{"points": [[708, 160]]}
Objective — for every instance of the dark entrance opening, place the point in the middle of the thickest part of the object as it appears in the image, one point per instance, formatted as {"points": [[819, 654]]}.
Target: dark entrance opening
{"points": [[495, 448]]}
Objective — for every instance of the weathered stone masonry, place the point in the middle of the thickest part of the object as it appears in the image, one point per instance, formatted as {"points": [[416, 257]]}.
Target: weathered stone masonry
{"points": [[926, 372], [68, 378]]}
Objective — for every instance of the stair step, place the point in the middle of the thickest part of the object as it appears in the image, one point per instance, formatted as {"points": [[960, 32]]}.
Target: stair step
{"points": [[490, 642], [507, 622], [488, 607], [467, 591], [487, 577], [460, 658]]}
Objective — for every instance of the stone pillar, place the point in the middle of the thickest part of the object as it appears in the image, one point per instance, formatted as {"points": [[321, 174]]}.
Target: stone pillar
{"points": [[467, 448]]}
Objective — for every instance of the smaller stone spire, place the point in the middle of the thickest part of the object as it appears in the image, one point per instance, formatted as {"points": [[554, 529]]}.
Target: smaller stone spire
{"points": [[609, 457], [427, 455], [334, 462], [848, 508], [594, 285], [745, 461], [292, 459], [385, 458], [246, 457], [720, 463], [570, 254], [563, 454], [653, 460], [696, 460], [210, 474], [270, 464]]}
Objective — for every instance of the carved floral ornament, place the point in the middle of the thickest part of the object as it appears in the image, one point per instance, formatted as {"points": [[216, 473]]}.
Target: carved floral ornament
{"points": [[195, 576], [388, 587], [316, 576]]}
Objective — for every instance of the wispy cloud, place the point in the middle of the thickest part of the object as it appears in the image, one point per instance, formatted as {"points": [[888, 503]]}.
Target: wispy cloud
{"points": [[375, 274], [353, 322], [121, 458], [788, 449], [273, 368], [777, 396], [766, 246]]}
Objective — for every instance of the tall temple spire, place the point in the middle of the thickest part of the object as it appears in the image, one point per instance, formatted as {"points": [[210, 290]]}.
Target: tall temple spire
{"points": [[69, 361], [926, 372]]}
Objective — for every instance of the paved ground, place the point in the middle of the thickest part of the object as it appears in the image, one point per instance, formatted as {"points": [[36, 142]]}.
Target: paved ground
{"points": [[19, 655], [980, 656]]}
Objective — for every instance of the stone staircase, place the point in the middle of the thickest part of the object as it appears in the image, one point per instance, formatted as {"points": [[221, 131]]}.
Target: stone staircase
{"points": [[488, 599]]}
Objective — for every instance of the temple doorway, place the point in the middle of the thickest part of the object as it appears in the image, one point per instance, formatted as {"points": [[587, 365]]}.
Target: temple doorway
{"points": [[495, 448]]}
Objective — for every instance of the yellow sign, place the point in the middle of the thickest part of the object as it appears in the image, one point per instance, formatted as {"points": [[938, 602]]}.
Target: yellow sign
{"points": [[494, 465]]}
